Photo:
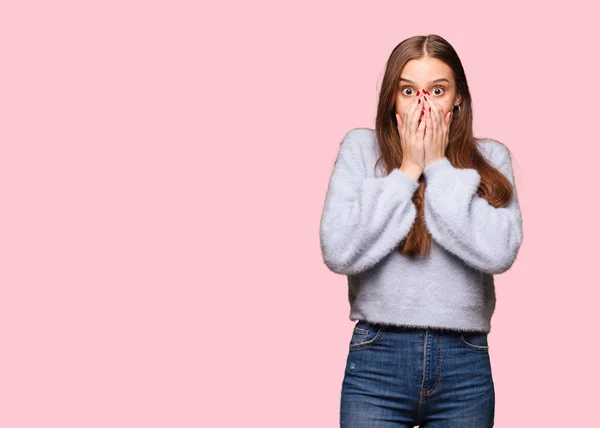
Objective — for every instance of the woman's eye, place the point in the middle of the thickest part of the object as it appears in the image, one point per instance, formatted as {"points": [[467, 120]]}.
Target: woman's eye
{"points": [[411, 91]]}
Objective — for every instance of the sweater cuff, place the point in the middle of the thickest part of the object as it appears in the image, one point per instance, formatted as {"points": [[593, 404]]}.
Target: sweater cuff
{"points": [[439, 165], [403, 180]]}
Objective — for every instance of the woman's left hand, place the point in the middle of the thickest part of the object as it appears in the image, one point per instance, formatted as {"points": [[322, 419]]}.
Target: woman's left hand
{"points": [[436, 131]]}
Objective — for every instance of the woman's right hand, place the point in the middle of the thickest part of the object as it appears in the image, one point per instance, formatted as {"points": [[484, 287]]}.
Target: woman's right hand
{"points": [[412, 130]]}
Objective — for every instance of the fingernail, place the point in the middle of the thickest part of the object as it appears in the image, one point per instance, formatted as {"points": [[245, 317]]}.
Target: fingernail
{"points": [[429, 108], [419, 102], [418, 92]]}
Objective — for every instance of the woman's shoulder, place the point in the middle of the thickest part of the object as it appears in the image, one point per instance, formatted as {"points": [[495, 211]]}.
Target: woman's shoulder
{"points": [[365, 141], [487, 143], [492, 148], [362, 142], [361, 136]]}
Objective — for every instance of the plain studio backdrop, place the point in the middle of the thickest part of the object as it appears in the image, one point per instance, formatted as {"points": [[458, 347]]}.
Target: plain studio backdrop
{"points": [[163, 167]]}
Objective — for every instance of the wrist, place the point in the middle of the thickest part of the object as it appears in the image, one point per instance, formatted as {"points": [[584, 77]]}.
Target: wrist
{"points": [[412, 171], [430, 162]]}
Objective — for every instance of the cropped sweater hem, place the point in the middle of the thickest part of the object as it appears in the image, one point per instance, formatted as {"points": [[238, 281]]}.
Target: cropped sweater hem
{"points": [[462, 320]]}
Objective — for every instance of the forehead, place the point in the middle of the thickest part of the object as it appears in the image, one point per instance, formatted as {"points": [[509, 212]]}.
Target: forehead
{"points": [[425, 70]]}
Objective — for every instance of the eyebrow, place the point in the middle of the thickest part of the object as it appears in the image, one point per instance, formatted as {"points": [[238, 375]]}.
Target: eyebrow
{"points": [[433, 81]]}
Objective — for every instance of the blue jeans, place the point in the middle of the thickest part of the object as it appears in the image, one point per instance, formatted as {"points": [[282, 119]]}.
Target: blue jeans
{"points": [[426, 377]]}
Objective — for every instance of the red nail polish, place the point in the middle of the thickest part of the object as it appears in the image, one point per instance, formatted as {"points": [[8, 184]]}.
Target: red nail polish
{"points": [[418, 92], [429, 108], [425, 97]]}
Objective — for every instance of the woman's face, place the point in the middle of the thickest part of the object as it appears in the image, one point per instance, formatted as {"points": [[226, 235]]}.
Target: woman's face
{"points": [[430, 74]]}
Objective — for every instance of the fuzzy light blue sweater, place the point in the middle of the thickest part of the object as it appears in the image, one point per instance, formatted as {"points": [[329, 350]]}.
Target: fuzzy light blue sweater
{"points": [[366, 216]]}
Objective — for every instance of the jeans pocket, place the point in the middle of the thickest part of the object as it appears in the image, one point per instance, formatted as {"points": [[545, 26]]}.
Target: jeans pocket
{"points": [[365, 334], [476, 341]]}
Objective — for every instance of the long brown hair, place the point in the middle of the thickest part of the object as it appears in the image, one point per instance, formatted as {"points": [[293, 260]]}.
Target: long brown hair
{"points": [[462, 150]]}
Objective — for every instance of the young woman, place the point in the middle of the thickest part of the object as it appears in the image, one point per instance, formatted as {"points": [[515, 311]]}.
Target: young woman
{"points": [[420, 215]]}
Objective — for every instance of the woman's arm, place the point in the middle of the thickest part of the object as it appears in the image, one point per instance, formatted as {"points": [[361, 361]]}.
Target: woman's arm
{"points": [[364, 218], [465, 224]]}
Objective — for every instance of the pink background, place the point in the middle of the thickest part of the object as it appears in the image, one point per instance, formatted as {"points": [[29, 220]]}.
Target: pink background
{"points": [[163, 166]]}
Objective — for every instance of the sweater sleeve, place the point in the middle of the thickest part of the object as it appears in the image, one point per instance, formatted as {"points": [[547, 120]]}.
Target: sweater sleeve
{"points": [[364, 218], [465, 224]]}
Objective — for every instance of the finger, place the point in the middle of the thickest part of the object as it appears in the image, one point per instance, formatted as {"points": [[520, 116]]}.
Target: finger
{"points": [[400, 118], [430, 108], [436, 118], [415, 115], [448, 119], [429, 124], [421, 126], [431, 130], [421, 113], [407, 111], [438, 113], [405, 120]]}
